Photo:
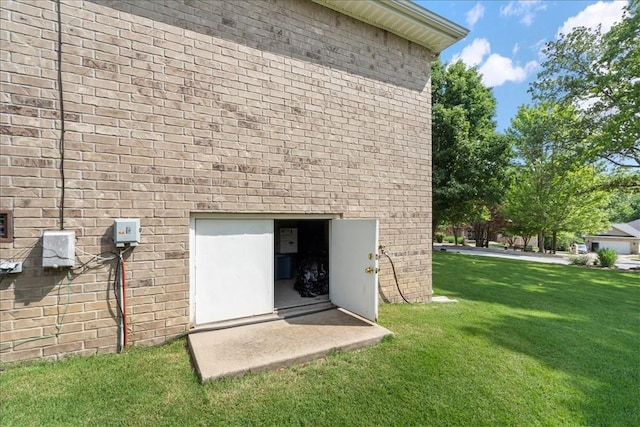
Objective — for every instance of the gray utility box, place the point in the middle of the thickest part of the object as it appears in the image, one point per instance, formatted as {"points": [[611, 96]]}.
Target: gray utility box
{"points": [[288, 241], [58, 248], [126, 231]]}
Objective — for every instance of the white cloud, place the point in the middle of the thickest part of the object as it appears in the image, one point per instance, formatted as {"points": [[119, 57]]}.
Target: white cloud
{"points": [[474, 53], [516, 49], [498, 70], [475, 14], [604, 13], [525, 9]]}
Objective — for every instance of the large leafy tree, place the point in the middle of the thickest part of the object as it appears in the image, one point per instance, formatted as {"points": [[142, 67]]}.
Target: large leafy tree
{"points": [[556, 203], [599, 74], [469, 158], [624, 207], [552, 191]]}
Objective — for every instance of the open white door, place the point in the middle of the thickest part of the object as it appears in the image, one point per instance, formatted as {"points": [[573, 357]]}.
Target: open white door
{"points": [[233, 268], [353, 266]]}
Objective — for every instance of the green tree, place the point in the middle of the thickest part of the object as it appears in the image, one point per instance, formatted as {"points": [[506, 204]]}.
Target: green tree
{"points": [[468, 156], [552, 192], [624, 207], [598, 73], [522, 204]]}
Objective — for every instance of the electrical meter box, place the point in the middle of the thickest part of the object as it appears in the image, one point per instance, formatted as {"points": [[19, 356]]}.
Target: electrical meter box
{"points": [[58, 248], [288, 241], [126, 231]]}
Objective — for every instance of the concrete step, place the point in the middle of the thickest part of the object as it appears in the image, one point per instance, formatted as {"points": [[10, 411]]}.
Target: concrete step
{"points": [[274, 344], [279, 314], [300, 310]]}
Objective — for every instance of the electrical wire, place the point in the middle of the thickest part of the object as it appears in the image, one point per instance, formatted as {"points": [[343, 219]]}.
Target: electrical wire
{"points": [[96, 261], [3, 275], [99, 256], [119, 290], [123, 279], [59, 323], [22, 253], [92, 263], [62, 124], [395, 276], [119, 285], [66, 306], [116, 293]]}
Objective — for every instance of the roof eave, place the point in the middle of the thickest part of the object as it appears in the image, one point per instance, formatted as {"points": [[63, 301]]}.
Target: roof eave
{"points": [[405, 19]]}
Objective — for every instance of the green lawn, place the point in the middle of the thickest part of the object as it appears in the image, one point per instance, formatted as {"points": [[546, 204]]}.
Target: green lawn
{"points": [[528, 344]]}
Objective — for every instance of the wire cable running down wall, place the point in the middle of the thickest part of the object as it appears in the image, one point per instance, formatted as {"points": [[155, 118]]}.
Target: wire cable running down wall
{"points": [[62, 128]]}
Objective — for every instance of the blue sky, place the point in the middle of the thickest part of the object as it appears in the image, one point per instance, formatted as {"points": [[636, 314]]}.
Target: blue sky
{"points": [[506, 38]]}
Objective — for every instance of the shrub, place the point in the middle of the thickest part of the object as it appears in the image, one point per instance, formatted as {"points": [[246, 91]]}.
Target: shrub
{"points": [[579, 260], [450, 239], [607, 257], [439, 237], [563, 242]]}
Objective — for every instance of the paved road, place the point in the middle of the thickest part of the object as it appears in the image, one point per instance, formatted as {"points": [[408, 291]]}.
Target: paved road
{"points": [[622, 263], [627, 264]]}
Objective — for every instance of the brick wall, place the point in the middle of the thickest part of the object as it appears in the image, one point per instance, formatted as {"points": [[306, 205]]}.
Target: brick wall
{"points": [[196, 106]]}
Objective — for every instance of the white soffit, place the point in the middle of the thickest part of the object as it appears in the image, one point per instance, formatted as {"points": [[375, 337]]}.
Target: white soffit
{"points": [[403, 18]]}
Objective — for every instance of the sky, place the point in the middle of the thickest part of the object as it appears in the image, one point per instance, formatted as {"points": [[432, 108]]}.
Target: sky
{"points": [[506, 39]]}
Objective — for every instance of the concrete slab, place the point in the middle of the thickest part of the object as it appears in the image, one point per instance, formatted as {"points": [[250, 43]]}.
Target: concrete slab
{"points": [[275, 344], [443, 299]]}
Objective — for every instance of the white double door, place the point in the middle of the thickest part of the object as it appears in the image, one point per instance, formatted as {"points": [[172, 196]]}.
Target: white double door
{"points": [[233, 261]]}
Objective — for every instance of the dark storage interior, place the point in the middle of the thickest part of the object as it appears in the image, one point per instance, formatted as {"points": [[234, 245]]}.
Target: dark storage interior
{"points": [[301, 257]]}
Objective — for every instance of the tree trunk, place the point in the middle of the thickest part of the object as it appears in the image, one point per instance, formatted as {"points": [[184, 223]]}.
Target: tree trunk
{"points": [[434, 228], [487, 234], [541, 241], [477, 231], [554, 242]]}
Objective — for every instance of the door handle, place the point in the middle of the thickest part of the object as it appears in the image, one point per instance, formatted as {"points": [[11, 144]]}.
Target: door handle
{"points": [[370, 270]]}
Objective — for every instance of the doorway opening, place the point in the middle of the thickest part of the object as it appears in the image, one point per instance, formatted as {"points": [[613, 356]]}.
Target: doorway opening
{"points": [[251, 265], [301, 262]]}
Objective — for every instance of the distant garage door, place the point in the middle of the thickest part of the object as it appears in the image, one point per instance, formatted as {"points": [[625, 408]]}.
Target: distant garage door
{"points": [[623, 248]]}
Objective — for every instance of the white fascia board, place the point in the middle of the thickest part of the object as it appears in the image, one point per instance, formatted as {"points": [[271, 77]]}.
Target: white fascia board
{"points": [[403, 18]]}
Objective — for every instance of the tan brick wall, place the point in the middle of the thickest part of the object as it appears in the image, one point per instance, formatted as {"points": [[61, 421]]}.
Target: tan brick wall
{"points": [[196, 106]]}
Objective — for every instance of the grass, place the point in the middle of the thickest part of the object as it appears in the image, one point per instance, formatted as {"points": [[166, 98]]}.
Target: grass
{"points": [[528, 344]]}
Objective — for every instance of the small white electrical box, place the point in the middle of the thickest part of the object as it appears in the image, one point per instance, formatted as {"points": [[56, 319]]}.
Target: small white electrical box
{"points": [[288, 240], [126, 231], [10, 267], [58, 248]]}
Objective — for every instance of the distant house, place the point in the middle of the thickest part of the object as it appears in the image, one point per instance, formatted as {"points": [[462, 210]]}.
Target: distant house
{"points": [[623, 238], [229, 139]]}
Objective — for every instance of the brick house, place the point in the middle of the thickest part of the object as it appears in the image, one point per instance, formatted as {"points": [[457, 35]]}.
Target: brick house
{"points": [[223, 127]]}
